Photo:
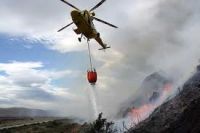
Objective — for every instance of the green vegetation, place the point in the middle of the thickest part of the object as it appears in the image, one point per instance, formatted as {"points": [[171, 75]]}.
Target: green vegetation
{"points": [[101, 125], [57, 126]]}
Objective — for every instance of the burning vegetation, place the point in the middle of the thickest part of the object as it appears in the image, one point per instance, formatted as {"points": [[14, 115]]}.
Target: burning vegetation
{"points": [[153, 91], [178, 115]]}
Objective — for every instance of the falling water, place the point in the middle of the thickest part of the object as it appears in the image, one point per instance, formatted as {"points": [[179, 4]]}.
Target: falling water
{"points": [[93, 102]]}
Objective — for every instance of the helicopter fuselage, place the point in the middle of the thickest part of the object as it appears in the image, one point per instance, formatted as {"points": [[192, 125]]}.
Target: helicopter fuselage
{"points": [[84, 24]]}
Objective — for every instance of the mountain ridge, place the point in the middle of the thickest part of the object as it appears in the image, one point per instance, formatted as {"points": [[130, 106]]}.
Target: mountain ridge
{"points": [[23, 112]]}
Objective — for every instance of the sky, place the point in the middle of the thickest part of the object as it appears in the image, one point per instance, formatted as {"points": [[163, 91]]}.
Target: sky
{"points": [[40, 68]]}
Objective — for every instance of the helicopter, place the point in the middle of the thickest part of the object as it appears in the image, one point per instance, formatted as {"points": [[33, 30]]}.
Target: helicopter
{"points": [[83, 19]]}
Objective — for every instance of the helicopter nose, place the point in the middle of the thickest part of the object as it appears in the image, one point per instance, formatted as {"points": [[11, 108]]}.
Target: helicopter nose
{"points": [[74, 13]]}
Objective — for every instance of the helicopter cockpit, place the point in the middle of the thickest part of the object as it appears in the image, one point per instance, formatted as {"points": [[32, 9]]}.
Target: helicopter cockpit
{"points": [[89, 19]]}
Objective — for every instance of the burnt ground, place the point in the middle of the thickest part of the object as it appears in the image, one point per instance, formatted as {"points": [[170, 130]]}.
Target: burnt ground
{"points": [[179, 115]]}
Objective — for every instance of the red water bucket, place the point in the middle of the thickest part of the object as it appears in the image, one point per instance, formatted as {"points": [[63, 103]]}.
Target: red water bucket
{"points": [[92, 76]]}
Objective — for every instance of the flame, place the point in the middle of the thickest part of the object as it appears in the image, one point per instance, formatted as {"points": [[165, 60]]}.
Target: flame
{"points": [[167, 87], [142, 112]]}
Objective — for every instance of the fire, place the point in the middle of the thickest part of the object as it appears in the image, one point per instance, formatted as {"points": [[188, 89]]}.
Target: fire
{"points": [[139, 114], [167, 87], [142, 112]]}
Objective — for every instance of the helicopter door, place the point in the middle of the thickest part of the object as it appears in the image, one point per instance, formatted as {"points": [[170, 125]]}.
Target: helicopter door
{"points": [[92, 26]]}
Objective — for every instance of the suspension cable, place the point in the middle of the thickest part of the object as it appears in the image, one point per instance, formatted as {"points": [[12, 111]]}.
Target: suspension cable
{"points": [[89, 52]]}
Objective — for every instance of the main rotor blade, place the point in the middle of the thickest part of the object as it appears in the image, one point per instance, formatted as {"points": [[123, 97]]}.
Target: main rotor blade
{"points": [[105, 22], [100, 3], [65, 26], [70, 4]]}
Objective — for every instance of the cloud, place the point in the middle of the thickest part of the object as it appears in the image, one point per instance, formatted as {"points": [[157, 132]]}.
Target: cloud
{"points": [[39, 21], [29, 84]]}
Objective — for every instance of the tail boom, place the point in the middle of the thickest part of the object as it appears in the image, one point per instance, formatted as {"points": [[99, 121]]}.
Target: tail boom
{"points": [[104, 46]]}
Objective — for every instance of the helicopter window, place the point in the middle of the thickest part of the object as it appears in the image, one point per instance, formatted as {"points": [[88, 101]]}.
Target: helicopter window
{"points": [[92, 24]]}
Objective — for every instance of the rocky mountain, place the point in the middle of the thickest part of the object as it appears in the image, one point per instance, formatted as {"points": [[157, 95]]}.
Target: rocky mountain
{"points": [[178, 115]]}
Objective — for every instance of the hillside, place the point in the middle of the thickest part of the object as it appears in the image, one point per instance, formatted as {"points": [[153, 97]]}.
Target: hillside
{"points": [[56, 126], [179, 115], [22, 112]]}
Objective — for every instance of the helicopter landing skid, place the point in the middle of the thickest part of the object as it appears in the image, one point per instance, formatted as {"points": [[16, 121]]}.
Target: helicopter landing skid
{"points": [[79, 39], [104, 48]]}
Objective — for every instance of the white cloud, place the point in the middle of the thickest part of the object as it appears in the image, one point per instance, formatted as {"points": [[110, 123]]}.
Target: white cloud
{"points": [[28, 84], [39, 21]]}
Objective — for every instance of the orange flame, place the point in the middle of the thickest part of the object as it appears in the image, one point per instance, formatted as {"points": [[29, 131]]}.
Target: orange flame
{"points": [[139, 114], [142, 112]]}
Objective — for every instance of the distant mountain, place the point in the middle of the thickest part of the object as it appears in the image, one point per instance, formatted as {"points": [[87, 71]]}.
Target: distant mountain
{"points": [[179, 115], [23, 112]]}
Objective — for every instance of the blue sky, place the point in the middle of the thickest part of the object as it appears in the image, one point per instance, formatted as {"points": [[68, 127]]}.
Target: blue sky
{"points": [[19, 49]]}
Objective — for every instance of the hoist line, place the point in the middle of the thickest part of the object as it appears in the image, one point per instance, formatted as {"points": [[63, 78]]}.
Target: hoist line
{"points": [[90, 57]]}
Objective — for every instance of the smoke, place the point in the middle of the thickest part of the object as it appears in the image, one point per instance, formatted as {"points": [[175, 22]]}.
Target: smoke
{"points": [[154, 90], [157, 35], [142, 112]]}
